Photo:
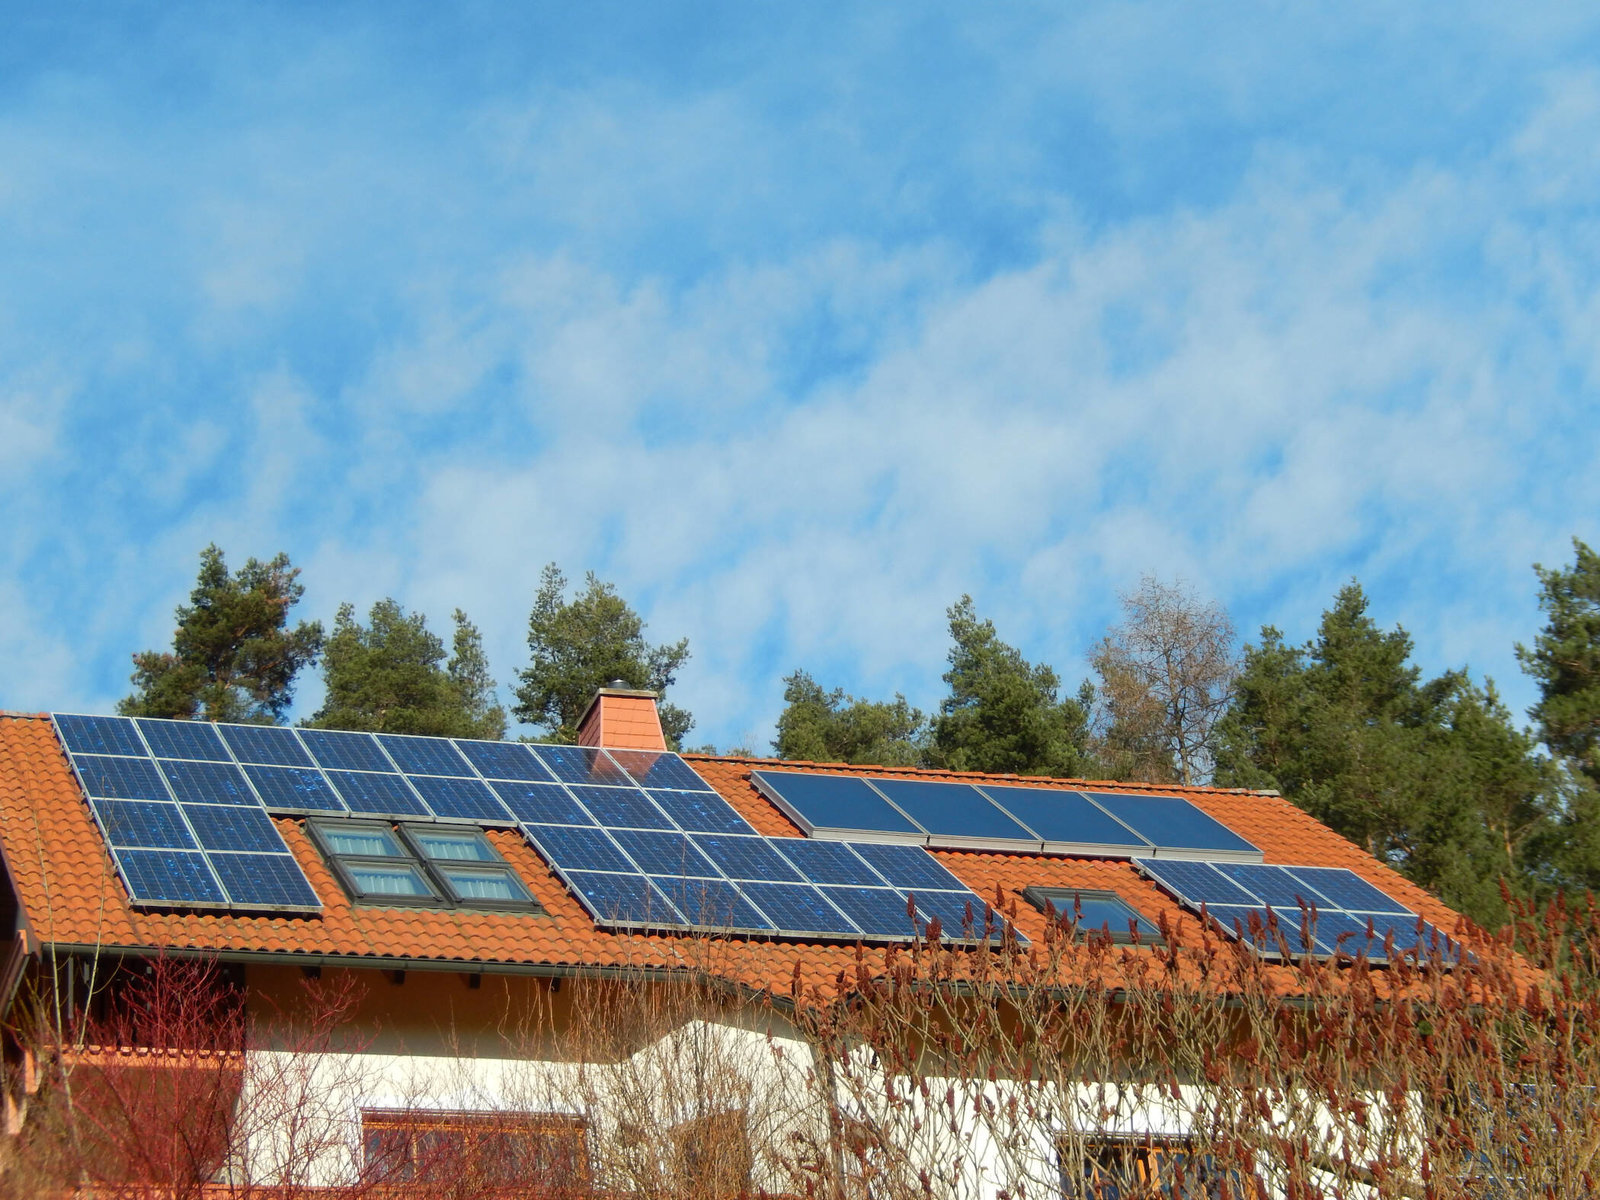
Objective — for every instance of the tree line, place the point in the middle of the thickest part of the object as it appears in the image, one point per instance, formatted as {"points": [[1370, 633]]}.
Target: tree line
{"points": [[1431, 775]]}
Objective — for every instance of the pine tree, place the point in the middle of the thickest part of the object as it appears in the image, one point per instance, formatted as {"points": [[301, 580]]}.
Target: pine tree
{"points": [[233, 657], [821, 726], [577, 647], [1004, 714], [1565, 661], [390, 676]]}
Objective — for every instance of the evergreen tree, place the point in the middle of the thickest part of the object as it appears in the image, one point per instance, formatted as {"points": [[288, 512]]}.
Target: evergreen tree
{"points": [[1565, 661], [822, 726], [577, 647], [1429, 775], [390, 676], [233, 657], [1004, 714]]}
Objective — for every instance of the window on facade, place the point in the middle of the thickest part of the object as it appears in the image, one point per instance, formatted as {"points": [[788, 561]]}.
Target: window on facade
{"points": [[1117, 1169], [1094, 912], [440, 866], [469, 1153]]}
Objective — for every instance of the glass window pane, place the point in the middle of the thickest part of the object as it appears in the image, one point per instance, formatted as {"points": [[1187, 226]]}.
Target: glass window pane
{"points": [[389, 881], [362, 843], [466, 847], [485, 885]]}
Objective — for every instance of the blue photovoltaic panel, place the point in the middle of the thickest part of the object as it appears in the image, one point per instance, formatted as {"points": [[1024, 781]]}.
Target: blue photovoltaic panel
{"points": [[266, 879], [910, 867], [142, 823], [1196, 883], [651, 769], [467, 799], [1274, 886], [623, 899], [120, 778], [827, 862], [951, 809], [542, 803], [1066, 817], [961, 914], [1170, 821], [505, 760], [1341, 933], [344, 751], [168, 877], [424, 755], [1348, 890], [183, 739], [569, 848], [701, 812], [747, 858], [229, 827], [208, 782], [581, 764], [622, 808], [876, 911], [1275, 927], [265, 744], [664, 853], [798, 908], [99, 735], [843, 802], [711, 903], [294, 788], [384, 795]]}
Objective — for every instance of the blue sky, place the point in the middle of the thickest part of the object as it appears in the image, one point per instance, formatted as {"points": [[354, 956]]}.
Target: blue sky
{"points": [[795, 322]]}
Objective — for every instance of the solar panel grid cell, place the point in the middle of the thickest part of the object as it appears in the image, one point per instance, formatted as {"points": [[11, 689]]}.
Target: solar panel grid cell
{"points": [[505, 760], [120, 778], [424, 755], [952, 810], [542, 803], [909, 867], [99, 735], [1171, 821], [268, 880], [711, 903], [664, 854], [835, 802], [653, 770], [344, 751], [378, 794], [143, 823], [265, 744], [294, 788], [622, 807], [1196, 883], [623, 899], [752, 858], [1275, 886], [581, 764], [879, 912], [700, 812], [798, 908], [229, 827], [1065, 818], [578, 849], [183, 739], [461, 799], [208, 782], [828, 862], [168, 876]]}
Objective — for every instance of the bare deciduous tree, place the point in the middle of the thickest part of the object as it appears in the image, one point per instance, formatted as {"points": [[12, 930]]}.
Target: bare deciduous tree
{"points": [[1166, 677]]}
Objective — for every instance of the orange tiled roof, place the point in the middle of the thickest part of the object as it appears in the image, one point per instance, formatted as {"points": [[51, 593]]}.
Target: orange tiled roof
{"points": [[71, 895]]}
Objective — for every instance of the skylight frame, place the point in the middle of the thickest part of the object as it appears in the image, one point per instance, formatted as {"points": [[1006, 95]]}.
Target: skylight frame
{"points": [[432, 870]]}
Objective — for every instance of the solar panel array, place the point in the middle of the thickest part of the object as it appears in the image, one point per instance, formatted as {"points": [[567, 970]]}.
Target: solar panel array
{"points": [[638, 836], [1002, 817], [1340, 911]]}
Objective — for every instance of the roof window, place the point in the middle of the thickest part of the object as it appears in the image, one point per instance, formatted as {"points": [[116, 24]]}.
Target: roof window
{"points": [[1093, 911], [426, 865]]}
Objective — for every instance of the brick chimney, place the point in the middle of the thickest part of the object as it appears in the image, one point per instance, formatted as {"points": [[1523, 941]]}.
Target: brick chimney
{"points": [[623, 719]]}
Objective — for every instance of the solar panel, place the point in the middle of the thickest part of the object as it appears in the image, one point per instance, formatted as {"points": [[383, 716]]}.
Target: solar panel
{"points": [[505, 760], [424, 755], [183, 739], [752, 858], [541, 803], [265, 744], [652, 769], [1196, 883], [1347, 890], [227, 827], [120, 778], [1171, 822], [163, 877], [961, 914], [344, 751], [844, 803], [382, 795], [798, 908], [910, 867], [1275, 886], [208, 782], [268, 880], [623, 899], [953, 810], [877, 911], [570, 848], [99, 735], [701, 812], [827, 862], [1067, 819], [622, 808], [664, 853], [294, 788], [463, 799], [711, 903], [1268, 929], [142, 823], [581, 764]]}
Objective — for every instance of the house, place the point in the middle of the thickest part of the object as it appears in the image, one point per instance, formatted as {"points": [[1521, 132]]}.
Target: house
{"points": [[504, 956]]}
